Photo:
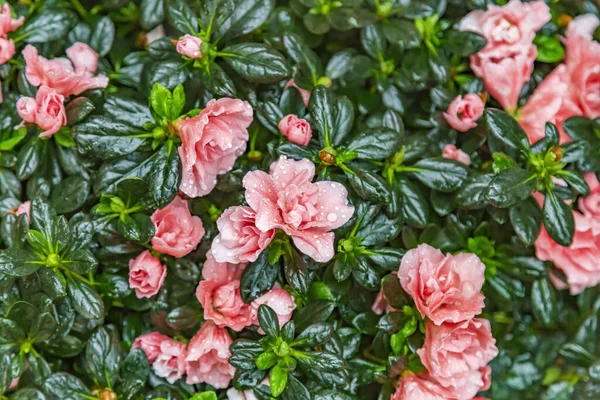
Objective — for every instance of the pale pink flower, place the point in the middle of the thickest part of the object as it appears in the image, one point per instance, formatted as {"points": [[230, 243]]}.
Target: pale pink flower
{"points": [[150, 344], [456, 354], [303, 92], [583, 66], [549, 102], [419, 387], [280, 301], [579, 260], [583, 25], [234, 394], [170, 362], [297, 130], [219, 294], [444, 288], [146, 274], [177, 232], [506, 62], [287, 199], [24, 208], [451, 152], [47, 110], [7, 22], [239, 240], [7, 50], [83, 57], [463, 112], [208, 357], [189, 46], [211, 142], [60, 74]]}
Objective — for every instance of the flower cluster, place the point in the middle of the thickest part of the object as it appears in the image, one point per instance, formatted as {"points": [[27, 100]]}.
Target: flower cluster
{"points": [[7, 24], [458, 346]]}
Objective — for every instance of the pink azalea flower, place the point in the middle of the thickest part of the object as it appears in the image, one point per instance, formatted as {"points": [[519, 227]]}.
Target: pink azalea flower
{"points": [[451, 152], [287, 199], [463, 112], [280, 301], [47, 110], [297, 130], [189, 46], [146, 274], [177, 231]]}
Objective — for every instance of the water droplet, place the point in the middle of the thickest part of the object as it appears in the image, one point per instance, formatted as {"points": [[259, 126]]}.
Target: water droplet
{"points": [[332, 217]]}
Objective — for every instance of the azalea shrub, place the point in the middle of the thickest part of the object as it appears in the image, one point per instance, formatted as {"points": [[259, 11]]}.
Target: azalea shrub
{"points": [[303, 199]]}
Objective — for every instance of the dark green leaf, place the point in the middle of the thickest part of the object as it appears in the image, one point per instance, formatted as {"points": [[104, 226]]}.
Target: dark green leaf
{"points": [[543, 302], [376, 143], [510, 186], [440, 174], [558, 220], [332, 115], [526, 219], [70, 194], [258, 277], [85, 299], [164, 176], [181, 16], [257, 63]]}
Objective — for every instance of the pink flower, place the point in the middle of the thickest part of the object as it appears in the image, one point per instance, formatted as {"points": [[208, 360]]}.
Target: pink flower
{"points": [[150, 344], [177, 231], [7, 23], [219, 294], [583, 25], [234, 394], [456, 353], [24, 208], [7, 50], [419, 387], [506, 62], [59, 73], [211, 142], [583, 66], [47, 110], [548, 103], [286, 199], [380, 305], [83, 57], [280, 301], [297, 130], [463, 112], [304, 93], [170, 362], [208, 357], [189, 46], [239, 240], [146, 274], [444, 288], [452, 153], [579, 260]]}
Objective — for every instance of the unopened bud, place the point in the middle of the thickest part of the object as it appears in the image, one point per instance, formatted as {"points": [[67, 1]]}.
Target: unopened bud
{"points": [[558, 153], [326, 157], [324, 81], [255, 156], [564, 20]]}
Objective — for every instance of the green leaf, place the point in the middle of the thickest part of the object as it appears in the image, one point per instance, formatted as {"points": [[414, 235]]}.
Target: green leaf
{"points": [[369, 185], [321, 360], [463, 43], [393, 292], [316, 311], [53, 282], [402, 32], [103, 36], [380, 230], [549, 49], [376, 143], [19, 262], [49, 25], [257, 63], [266, 360], [84, 298], [134, 375], [510, 186], [385, 257], [16, 137], [152, 13], [70, 194], [575, 181], [28, 394], [440, 174], [64, 386], [526, 219], [114, 286], [181, 16], [168, 73], [364, 274], [258, 277], [64, 346], [315, 335], [164, 176], [295, 390], [105, 138], [332, 116], [543, 302], [373, 41], [217, 81], [11, 333], [247, 16], [103, 356], [214, 12], [136, 227], [244, 354], [30, 157], [278, 380], [558, 220], [506, 130], [268, 320], [81, 261]]}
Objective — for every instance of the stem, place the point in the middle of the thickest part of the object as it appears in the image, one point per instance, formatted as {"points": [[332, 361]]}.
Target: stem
{"points": [[68, 272], [79, 8]]}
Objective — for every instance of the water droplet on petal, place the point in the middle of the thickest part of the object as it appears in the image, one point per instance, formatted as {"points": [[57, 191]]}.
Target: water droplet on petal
{"points": [[332, 217]]}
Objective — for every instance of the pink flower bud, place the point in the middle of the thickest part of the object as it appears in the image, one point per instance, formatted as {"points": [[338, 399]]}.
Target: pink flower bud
{"points": [[464, 112], [189, 46], [146, 274], [452, 153], [296, 129]]}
